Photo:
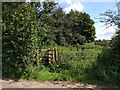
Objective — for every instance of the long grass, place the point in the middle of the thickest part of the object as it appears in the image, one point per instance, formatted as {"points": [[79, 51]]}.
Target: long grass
{"points": [[73, 66]]}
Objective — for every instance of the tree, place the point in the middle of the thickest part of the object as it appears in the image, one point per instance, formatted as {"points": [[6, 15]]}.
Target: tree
{"points": [[108, 62], [57, 23], [25, 29], [111, 18], [46, 33], [74, 27], [81, 24]]}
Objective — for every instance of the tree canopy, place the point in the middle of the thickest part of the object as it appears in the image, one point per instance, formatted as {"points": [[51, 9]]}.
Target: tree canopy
{"points": [[72, 28]]}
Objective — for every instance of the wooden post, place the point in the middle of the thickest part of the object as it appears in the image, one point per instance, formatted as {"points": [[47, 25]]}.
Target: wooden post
{"points": [[56, 54], [49, 59], [59, 58], [41, 55], [53, 55], [37, 51]]}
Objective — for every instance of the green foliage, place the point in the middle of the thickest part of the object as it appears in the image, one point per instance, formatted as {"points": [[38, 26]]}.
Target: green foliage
{"points": [[73, 67], [43, 75], [108, 62], [107, 67], [27, 26], [19, 37], [116, 42], [104, 42], [72, 28], [82, 24], [68, 69]]}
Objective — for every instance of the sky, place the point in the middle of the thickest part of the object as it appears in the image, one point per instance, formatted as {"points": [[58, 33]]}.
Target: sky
{"points": [[94, 8]]}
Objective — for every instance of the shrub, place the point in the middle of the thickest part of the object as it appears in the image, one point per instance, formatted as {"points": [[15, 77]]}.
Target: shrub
{"points": [[19, 38], [107, 67]]}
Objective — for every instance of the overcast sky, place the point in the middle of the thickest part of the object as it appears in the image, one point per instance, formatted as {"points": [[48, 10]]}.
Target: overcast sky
{"points": [[94, 8]]}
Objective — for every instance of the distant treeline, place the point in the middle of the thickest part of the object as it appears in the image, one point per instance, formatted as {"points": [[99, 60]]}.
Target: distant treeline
{"points": [[103, 42]]}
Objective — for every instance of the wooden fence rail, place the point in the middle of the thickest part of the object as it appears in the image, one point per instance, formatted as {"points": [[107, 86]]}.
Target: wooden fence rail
{"points": [[80, 57], [79, 52], [46, 56], [49, 56]]}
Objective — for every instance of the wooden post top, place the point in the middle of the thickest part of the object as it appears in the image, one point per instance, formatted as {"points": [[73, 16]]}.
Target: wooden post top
{"points": [[46, 50]]}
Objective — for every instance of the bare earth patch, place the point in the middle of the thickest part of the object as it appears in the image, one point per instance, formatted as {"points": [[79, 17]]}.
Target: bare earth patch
{"points": [[9, 83]]}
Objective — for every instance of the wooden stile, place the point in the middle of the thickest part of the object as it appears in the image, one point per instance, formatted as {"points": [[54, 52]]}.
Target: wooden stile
{"points": [[47, 55]]}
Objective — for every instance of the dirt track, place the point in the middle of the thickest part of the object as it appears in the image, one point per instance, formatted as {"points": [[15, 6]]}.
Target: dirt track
{"points": [[48, 84]]}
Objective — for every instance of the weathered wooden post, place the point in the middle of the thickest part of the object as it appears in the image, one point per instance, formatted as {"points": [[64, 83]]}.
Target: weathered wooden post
{"points": [[56, 55], [49, 56], [40, 55], [59, 58], [37, 57], [53, 55]]}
